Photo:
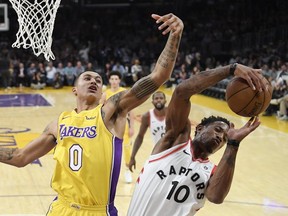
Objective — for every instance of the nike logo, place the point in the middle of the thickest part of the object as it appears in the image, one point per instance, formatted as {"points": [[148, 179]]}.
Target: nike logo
{"points": [[90, 118], [186, 152], [65, 117]]}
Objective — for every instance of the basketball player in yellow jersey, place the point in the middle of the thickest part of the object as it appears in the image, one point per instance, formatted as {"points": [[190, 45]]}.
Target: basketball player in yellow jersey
{"points": [[88, 139], [114, 81]]}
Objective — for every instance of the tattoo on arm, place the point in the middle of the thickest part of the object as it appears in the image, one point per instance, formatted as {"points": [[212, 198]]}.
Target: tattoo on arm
{"points": [[6, 153], [116, 98], [144, 87], [169, 53], [102, 113]]}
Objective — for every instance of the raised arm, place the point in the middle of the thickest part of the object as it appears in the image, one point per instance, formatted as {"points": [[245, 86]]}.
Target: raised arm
{"points": [[143, 88], [34, 150], [139, 140], [179, 106]]}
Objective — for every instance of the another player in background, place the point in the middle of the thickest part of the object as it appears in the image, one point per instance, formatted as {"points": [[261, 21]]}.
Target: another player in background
{"points": [[155, 119], [178, 176], [88, 139], [114, 79]]}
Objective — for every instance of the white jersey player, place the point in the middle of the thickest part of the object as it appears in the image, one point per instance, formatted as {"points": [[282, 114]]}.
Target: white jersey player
{"points": [[155, 119], [174, 176], [157, 126], [178, 176]]}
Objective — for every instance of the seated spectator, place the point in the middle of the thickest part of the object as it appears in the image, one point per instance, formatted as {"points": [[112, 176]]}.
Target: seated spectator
{"points": [[136, 70], [50, 73], [283, 107], [280, 89], [38, 82], [79, 68], [69, 72], [57, 83], [30, 71], [21, 75]]}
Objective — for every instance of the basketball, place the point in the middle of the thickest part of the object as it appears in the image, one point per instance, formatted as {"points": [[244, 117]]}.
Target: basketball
{"points": [[244, 101]]}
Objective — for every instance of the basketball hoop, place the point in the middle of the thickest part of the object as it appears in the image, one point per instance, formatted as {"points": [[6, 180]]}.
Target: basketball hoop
{"points": [[36, 23]]}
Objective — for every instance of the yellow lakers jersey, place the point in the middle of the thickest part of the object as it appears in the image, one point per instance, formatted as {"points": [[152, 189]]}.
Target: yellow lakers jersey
{"points": [[109, 93], [88, 159]]}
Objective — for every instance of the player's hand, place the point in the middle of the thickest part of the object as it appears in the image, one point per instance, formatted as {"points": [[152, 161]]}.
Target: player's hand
{"points": [[254, 77], [132, 164], [170, 22], [241, 133]]}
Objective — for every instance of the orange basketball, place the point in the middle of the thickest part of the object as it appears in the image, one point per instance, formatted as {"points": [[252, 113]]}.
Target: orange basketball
{"points": [[244, 101]]}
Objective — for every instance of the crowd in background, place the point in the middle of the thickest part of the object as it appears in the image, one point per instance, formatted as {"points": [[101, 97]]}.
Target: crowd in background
{"points": [[253, 33]]}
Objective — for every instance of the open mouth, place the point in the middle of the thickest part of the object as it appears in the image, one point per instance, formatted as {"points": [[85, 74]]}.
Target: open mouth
{"points": [[93, 88]]}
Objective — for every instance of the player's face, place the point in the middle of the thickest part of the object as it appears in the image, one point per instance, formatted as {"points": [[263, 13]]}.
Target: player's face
{"points": [[89, 85], [212, 136], [159, 101], [114, 81]]}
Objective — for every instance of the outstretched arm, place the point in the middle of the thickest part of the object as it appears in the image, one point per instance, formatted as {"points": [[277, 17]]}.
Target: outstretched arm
{"points": [[220, 182], [143, 88], [139, 140], [179, 106], [34, 150]]}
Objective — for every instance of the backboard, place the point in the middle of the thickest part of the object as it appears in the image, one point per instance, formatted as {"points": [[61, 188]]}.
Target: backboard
{"points": [[4, 21]]}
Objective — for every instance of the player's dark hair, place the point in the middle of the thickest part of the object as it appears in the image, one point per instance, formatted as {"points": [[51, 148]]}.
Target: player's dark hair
{"points": [[115, 73], [159, 92], [211, 119], [77, 77]]}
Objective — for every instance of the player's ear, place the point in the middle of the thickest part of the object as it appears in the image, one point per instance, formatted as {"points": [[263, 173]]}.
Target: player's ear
{"points": [[74, 90]]}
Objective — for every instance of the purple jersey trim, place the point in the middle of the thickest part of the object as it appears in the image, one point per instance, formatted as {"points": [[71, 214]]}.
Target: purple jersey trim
{"points": [[115, 172]]}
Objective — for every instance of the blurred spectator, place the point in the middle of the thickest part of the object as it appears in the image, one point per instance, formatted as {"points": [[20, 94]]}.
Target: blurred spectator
{"points": [[38, 81], [42, 70], [30, 72], [50, 73], [105, 75], [84, 52], [89, 67], [119, 67], [60, 70], [79, 68], [69, 73], [57, 83], [183, 74], [136, 70], [280, 89], [21, 75]]}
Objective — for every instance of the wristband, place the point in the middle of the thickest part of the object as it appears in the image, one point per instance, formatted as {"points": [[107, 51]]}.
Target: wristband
{"points": [[232, 69], [234, 143]]}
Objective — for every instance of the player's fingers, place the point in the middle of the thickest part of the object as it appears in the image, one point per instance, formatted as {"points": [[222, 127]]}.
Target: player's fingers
{"points": [[155, 16], [164, 18], [134, 166], [130, 168], [172, 27], [259, 80], [167, 22]]}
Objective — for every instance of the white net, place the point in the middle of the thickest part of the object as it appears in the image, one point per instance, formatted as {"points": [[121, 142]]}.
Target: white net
{"points": [[36, 23]]}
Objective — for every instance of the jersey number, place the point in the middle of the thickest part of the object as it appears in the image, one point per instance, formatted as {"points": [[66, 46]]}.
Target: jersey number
{"points": [[175, 192], [75, 157]]}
